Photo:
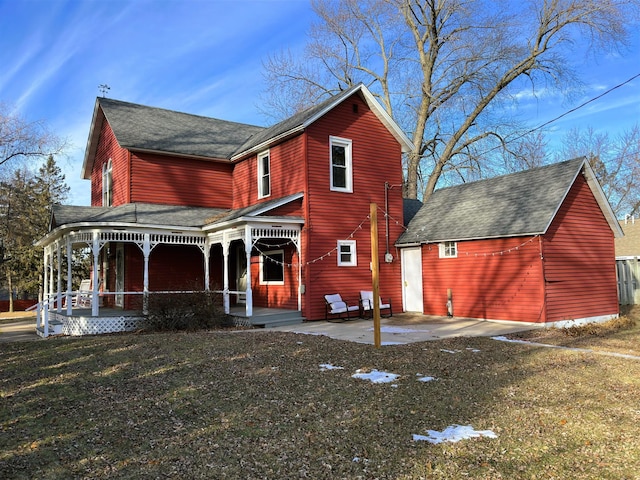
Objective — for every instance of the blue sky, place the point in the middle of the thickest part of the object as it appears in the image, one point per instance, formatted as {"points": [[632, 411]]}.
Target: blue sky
{"points": [[203, 57]]}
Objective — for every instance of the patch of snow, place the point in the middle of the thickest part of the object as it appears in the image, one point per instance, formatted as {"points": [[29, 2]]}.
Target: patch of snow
{"points": [[327, 366], [453, 433], [425, 378], [449, 351], [473, 350], [375, 376], [502, 338], [393, 343]]}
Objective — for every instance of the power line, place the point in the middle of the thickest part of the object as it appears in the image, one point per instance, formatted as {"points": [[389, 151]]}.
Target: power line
{"points": [[582, 105], [539, 127]]}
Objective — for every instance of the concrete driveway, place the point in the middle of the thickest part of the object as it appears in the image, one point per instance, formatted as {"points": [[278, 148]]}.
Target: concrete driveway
{"points": [[408, 328]]}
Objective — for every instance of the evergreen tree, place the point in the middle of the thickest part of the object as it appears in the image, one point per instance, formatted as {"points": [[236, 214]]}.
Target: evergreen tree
{"points": [[26, 202]]}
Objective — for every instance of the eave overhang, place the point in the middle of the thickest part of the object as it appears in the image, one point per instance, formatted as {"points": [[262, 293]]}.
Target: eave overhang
{"points": [[370, 100]]}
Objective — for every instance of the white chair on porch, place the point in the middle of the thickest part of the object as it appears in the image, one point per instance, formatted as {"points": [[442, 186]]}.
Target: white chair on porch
{"points": [[334, 305], [366, 303], [82, 298]]}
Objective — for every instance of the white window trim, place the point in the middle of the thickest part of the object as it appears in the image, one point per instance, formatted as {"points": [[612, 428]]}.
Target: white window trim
{"points": [[268, 254], [347, 144], [107, 184], [354, 257], [442, 249], [261, 173]]}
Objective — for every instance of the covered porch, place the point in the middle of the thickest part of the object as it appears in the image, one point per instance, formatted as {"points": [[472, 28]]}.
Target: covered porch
{"points": [[190, 258]]}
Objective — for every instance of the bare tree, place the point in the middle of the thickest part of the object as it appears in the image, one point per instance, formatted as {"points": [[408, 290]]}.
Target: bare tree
{"points": [[446, 69], [615, 161], [23, 140]]}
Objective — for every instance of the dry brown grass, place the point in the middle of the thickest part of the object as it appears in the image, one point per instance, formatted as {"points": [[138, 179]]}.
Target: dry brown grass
{"points": [[255, 405]]}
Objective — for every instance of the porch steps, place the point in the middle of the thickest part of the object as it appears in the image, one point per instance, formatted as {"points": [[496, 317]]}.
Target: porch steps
{"points": [[276, 319], [55, 328]]}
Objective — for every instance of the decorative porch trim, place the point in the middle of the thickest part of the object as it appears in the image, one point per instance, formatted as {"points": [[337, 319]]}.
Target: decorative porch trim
{"points": [[90, 325]]}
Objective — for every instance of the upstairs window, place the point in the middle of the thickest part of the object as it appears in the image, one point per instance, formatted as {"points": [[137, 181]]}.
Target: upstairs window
{"points": [[272, 268], [448, 250], [341, 167], [107, 184], [347, 253], [264, 175]]}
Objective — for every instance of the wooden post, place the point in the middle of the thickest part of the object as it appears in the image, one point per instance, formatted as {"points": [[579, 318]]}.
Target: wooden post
{"points": [[375, 273]]}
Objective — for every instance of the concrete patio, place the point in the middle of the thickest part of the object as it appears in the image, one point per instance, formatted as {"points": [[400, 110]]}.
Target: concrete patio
{"points": [[408, 328]]}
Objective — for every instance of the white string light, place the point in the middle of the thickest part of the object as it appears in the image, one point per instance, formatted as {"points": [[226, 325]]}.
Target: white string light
{"points": [[320, 258]]}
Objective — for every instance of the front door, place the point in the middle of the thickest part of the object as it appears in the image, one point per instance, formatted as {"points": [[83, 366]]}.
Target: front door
{"points": [[412, 280], [119, 300]]}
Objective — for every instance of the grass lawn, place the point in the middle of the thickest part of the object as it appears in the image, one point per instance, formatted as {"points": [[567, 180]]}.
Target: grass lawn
{"points": [[249, 405]]}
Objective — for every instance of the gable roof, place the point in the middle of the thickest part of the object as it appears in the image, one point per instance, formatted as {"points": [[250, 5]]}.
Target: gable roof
{"points": [[302, 120], [522, 203], [141, 128]]}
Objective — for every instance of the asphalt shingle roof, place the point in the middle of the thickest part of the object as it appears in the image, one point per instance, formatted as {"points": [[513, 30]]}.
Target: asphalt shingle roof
{"points": [[139, 213], [629, 245], [520, 203], [160, 215], [156, 129], [297, 120]]}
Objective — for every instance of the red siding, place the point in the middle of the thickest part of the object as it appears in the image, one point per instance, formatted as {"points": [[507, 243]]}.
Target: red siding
{"points": [[108, 148], [171, 267], [180, 181], [287, 174], [498, 279], [334, 216], [276, 296], [579, 259]]}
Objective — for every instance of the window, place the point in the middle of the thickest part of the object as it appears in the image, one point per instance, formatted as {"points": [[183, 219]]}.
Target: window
{"points": [[272, 268], [340, 151], [347, 253], [107, 184], [448, 250], [264, 175]]}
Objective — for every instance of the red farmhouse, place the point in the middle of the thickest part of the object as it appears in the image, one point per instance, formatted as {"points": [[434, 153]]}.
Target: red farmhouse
{"points": [[534, 246], [272, 217]]}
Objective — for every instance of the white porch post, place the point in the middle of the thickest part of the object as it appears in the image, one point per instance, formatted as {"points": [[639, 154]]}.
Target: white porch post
{"points": [[146, 251], [299, 275], [43, 293], [207, 252], [69, 274], [59, 283], [45, 287], [47, 279], [50, 296], [96, 279], [248, 244], [225, 274]]}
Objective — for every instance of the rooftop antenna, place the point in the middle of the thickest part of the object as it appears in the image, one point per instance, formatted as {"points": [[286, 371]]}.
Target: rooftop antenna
{"points": [[104, 88]]}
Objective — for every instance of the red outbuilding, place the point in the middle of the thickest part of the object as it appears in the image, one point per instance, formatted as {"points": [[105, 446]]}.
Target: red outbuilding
{"points": [[534, 246]]}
